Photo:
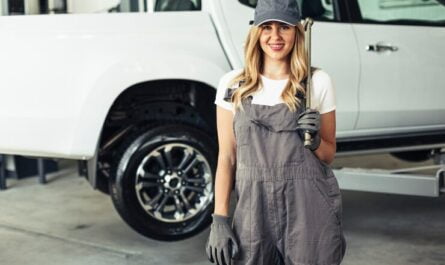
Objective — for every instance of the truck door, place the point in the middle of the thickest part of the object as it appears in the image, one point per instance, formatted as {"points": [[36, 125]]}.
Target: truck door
{"points": [[401, 45], [333, 49]]}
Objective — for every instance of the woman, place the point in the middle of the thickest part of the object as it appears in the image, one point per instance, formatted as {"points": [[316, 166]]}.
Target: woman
{"points": [[289, 205]]}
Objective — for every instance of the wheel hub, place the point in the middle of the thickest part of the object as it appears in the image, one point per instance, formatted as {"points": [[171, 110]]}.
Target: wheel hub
{"points": [[172, 181]]}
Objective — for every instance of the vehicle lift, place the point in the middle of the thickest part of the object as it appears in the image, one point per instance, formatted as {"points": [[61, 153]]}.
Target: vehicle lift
{"points": [[40, 167]]}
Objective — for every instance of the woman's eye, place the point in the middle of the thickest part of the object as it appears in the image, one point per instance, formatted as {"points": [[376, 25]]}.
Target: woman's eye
{"points": [[285, 27], [266, 27]]}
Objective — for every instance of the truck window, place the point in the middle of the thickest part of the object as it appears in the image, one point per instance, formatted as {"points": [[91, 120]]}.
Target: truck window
{"points": [[177, 5], [34, 7], [403, 12], [321, 10]]}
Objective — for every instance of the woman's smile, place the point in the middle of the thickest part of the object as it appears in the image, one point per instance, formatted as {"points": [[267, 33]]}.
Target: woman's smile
{"points": [[277, 47]]}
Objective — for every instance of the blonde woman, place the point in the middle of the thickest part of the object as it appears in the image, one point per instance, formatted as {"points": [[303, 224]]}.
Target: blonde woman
{"points": [[289, 206]]}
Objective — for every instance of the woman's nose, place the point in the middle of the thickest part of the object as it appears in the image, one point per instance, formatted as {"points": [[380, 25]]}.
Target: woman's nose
{"points": [[276, 33]]}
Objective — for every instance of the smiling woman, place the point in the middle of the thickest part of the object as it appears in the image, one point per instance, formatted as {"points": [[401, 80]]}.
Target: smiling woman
{"points": [[288, 208]]}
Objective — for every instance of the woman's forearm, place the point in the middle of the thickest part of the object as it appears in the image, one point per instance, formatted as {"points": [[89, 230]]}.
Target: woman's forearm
{"points": [[223, 183], [326, 151]]}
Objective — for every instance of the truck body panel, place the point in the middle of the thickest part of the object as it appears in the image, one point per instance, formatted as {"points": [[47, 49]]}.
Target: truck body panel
{"points": [[67, 70]]}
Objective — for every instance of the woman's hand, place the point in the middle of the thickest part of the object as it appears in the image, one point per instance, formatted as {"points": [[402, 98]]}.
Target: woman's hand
{"points": [[309, 120], [221, 245], [323, 128]]}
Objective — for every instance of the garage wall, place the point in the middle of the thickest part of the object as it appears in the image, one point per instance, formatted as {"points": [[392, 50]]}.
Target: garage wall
{"points": [[88, 6]]}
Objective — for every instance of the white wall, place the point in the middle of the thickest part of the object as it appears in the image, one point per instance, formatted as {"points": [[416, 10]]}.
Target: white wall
{"points": [[32, 7], [3, 7], [88, 6]]}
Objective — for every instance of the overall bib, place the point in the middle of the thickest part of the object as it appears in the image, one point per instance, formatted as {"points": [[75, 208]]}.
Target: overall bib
{"points": [[289, 206]]}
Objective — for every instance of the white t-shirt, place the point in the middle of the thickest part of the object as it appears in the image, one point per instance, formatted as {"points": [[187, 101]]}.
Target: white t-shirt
{"points": [[322, 97]]}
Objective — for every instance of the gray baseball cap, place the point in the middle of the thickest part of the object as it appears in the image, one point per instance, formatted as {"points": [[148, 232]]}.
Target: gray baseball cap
{"points": [[286, 11]]}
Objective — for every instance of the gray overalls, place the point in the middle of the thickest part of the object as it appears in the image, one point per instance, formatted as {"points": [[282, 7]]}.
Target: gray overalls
{"points": [[289, 206]]}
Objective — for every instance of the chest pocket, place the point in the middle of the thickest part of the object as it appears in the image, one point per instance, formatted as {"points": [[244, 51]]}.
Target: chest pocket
{"points": [[259, 147]]}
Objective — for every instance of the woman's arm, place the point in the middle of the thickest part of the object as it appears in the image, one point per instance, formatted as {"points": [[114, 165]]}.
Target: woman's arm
{"points": [[328, 146], [226, 161]]}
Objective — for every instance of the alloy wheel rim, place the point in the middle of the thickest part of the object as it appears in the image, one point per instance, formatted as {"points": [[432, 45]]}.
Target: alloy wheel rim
{"points": [[174, 182]]}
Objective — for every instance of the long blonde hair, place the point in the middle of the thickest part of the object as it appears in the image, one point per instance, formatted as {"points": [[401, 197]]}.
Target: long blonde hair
{"points": [[253, 57]]}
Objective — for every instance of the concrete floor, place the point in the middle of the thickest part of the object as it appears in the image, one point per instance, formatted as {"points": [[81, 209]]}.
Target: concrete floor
{"points": [[66, 222]]}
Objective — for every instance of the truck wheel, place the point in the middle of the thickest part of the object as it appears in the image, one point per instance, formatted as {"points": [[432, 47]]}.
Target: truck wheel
{"points": [[413, 156], [162, 183]]}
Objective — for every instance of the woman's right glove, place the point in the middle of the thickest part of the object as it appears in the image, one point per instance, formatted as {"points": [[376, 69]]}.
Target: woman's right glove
{"points": [[221, 245], [309, 120]]}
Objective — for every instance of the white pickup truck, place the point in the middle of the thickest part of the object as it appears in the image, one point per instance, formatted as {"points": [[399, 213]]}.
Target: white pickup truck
{"points": [[127, 88]]}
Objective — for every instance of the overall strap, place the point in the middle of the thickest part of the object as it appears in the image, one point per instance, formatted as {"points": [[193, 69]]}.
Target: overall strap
{"points": [[229, 91]]}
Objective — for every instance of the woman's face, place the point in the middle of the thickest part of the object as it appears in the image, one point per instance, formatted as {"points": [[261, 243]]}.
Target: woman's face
{"points": [[277, 39]]}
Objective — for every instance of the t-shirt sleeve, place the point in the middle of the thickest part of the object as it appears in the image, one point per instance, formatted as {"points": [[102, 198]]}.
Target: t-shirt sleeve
{"points": [[323, 92], [222, 89]]}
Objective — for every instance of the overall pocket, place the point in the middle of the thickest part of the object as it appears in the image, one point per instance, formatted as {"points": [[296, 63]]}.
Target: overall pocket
{"points": [[329, 190]]}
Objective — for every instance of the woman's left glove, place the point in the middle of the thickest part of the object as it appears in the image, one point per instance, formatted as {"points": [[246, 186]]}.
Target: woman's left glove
{"points": [[221, 245], [309, 120]]}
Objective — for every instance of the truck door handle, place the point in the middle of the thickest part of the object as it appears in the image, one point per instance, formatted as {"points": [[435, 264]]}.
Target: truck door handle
{"points": [[381, 47]]}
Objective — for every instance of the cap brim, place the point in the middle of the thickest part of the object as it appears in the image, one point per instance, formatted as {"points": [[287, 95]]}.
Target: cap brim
{"points": [[279, 20]]}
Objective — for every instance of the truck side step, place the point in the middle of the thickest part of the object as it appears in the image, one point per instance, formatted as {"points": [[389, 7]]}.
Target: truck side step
{"points": [[395, 181]]}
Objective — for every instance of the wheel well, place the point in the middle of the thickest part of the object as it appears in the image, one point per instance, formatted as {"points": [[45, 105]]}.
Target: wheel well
{"points": [[177, 101], [151, 100]]}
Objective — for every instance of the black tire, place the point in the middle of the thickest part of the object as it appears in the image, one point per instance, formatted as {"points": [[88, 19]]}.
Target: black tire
{"points": [[129, 198], [413, 156]]}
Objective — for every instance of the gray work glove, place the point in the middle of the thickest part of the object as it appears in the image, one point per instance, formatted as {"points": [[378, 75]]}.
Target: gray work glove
{"points": [[309, 120], [221, 245]]}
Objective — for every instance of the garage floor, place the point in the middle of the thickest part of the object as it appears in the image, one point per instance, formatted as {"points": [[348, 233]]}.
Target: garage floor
{"points": [[66, 222]]}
